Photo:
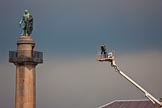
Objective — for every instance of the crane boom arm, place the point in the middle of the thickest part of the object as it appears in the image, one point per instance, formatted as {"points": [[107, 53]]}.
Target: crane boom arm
{"points": [[147, 94]]}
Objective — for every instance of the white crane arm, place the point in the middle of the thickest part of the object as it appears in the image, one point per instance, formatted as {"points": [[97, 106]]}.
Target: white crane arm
{"points": [[147, 94]]}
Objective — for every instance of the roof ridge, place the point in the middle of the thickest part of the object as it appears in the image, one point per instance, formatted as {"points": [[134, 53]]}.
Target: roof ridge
{"points": [[135, 100]]}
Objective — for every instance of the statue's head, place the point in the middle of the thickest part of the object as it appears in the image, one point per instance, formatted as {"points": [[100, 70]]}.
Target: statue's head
{"points": [[26, 11]]}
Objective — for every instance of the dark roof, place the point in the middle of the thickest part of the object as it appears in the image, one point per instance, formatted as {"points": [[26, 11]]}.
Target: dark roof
{"points": [[129, 104]]}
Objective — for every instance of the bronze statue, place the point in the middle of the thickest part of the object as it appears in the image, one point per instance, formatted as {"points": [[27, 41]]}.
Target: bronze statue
{"points": [[26, 23]]}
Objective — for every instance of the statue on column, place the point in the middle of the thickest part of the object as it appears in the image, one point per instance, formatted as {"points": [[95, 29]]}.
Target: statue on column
{"points": [[26, 23]]}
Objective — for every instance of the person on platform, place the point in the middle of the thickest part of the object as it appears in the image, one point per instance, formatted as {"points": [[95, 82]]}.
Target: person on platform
{"points": [[103, 51], [26, 23]]}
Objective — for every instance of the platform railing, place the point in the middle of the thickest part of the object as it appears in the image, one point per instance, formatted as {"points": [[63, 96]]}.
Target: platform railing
{"points": [[25, 56]]}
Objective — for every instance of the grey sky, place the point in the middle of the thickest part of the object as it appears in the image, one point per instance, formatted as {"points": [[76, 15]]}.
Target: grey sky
{"points": [[69, 32], [85, 83], [80, 26]]}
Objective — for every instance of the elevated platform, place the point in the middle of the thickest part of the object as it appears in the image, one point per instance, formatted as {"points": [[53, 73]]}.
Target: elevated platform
{"points": [[34, 58], [104, 59]]}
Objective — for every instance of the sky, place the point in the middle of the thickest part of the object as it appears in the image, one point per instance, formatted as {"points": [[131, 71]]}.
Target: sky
{"points": [[69, 33]]}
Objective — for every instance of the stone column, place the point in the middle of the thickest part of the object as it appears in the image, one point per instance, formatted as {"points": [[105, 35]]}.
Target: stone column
{"points": [[25, 58], [25, 74]]}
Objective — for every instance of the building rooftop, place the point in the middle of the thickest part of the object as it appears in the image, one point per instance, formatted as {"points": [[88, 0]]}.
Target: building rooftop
{"points": [[129, 104]]}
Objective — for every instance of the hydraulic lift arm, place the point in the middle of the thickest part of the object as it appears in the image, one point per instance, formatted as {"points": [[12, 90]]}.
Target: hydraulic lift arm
{"points": [[147, 94], [110, 58]]}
